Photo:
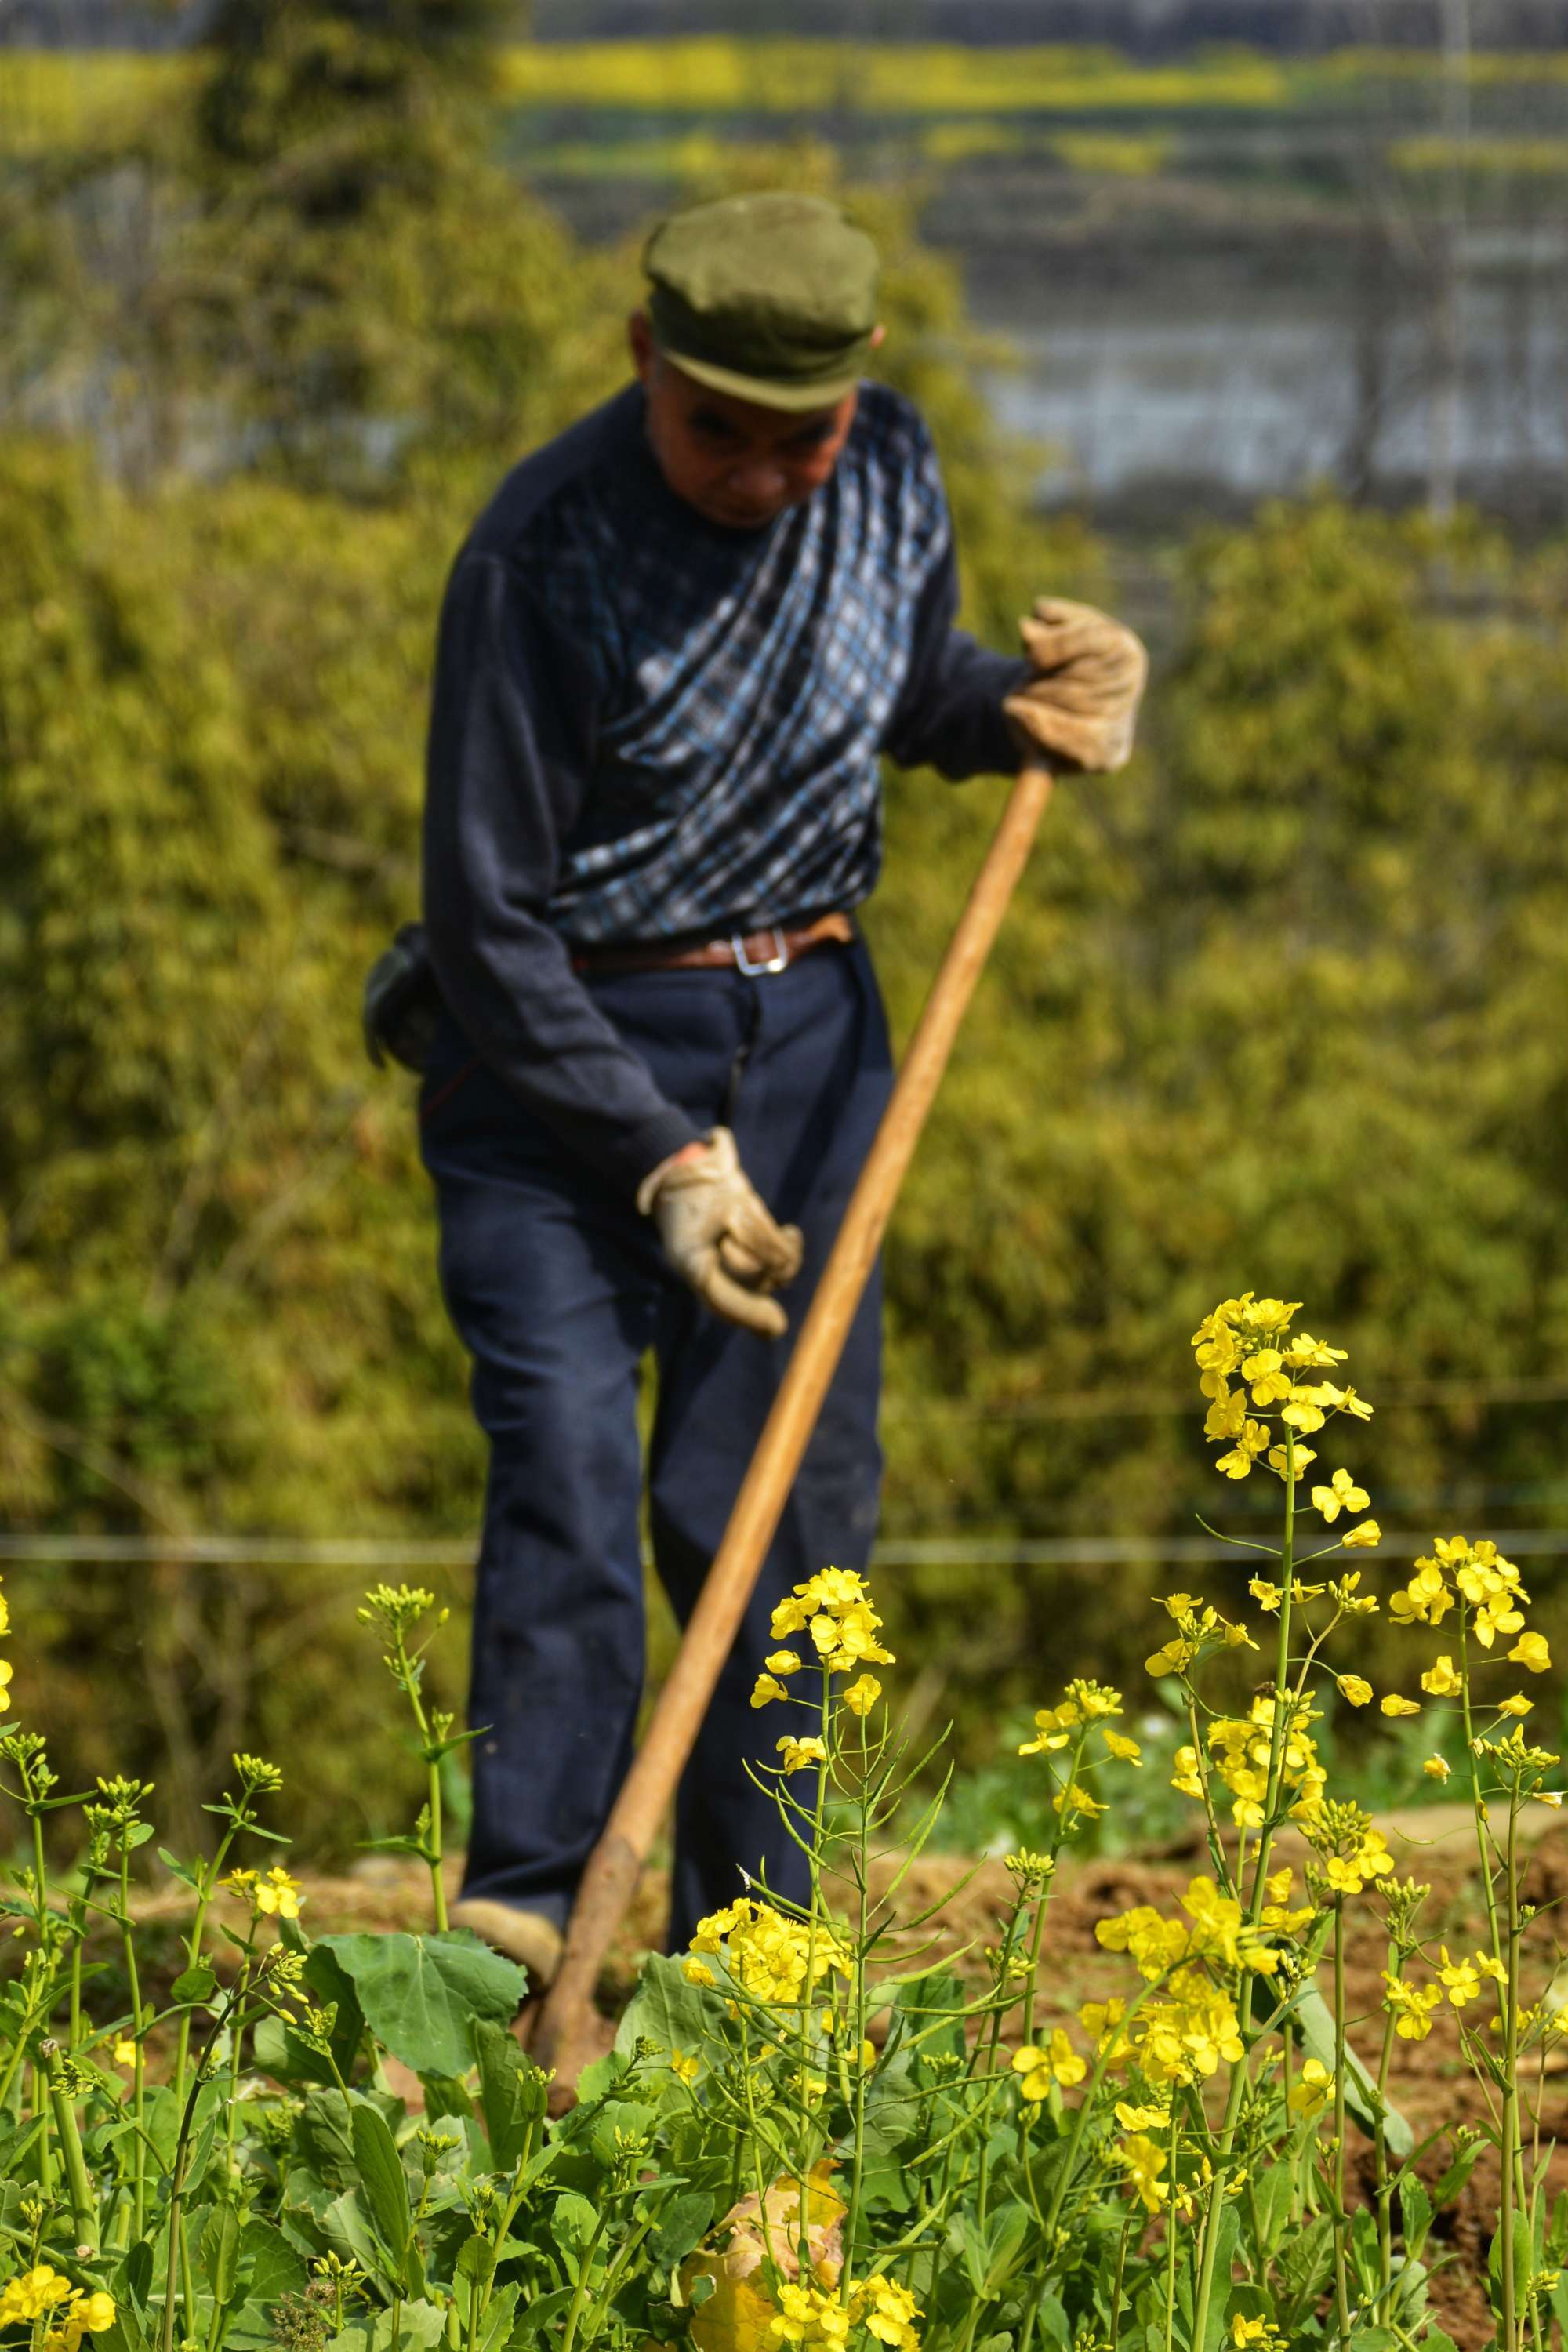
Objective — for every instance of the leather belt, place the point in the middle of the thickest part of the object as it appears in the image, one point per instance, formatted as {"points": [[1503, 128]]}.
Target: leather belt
{"points": [[753, 953]]}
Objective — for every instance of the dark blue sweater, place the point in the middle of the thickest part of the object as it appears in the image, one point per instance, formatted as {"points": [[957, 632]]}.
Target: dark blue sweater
{"points": [[646, 726]]}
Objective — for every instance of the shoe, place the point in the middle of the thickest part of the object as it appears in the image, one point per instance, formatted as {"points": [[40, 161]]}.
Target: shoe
{"points": [[526, 1937]]}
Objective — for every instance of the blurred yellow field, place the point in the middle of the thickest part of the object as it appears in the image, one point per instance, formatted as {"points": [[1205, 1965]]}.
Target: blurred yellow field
{"points": [[52, 95]]}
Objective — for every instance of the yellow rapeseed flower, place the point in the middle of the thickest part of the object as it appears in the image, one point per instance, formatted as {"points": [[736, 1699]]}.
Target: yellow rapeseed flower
{"points": [[1311, 2091], [1441, 1680], [798, 1753], [1362, 1538], [1394, 1705], [1355, 1690], [1341, 1494], [1459, 1978], [1145, 2161], [1412, 2006], [278, 1895], [1252, 1439], [27, 2296], [686, 2067], [1435, 1768], [765, 1689], [1057, 2062], [1268, 1596], [1126, 1751], [861, 1696], [1532, 1652], [698, 1972], [783, 1661], [1141, 2119]]}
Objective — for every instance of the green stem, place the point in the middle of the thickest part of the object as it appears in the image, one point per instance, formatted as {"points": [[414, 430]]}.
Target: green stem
{"points": [[1342, 2219], [509, 2214], [1084, 2110], [1171, 2234], [408, 1681], [1505, 1951], [179, 2252], [580, 2292], [1511, 2141], [138, 2154], [858, 2028], [46, 2151], [1380, 2148], [1240, 2077], [207, 1888], [803, 2135], [83, 2204]]}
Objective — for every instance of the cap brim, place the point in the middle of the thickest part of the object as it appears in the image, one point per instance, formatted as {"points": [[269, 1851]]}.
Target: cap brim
{"points": [[764, 390]]}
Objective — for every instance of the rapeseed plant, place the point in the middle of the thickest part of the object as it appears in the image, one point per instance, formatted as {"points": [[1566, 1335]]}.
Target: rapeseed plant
{"points": [[814, 2132]]}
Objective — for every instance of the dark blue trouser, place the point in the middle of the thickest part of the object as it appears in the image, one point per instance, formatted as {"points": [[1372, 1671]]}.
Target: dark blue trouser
{"points": [[558, 1288]]}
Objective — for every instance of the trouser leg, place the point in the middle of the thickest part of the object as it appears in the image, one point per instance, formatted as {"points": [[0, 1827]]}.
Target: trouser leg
{"points": [[812, 1087], [551, 1286]]}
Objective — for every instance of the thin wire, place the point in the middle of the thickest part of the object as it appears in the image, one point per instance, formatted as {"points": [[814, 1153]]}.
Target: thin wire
{"points": [[906, 1551], [1090, 1404]]}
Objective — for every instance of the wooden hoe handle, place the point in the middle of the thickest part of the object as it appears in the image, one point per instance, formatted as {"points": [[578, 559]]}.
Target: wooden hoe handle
{"points": [[562, 2034]]}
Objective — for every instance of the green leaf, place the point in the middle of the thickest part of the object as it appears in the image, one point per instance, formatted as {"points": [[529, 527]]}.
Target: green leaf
{"points": [[1373, 2339], [412, 2327], [269, 2269], [335, 1989], [445, 2095], [1304, 2264], [420, 1993], [1226, 2228], [1312, 2020], [495, 2327], [194, 1984], [925, 2012], [1054, 2327], [1003, 2245], [350, 2235], [381, 2177], [572, 2218], [682, 2225], [220, 2254], [1274, 2208], [512, 2092], [667, 2010], [1452, 2183], [134, 2280], [324, 2137], [1415, 2212]]}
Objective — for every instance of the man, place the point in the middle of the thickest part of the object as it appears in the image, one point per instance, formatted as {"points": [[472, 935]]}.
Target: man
{"points": [[672, 654]]}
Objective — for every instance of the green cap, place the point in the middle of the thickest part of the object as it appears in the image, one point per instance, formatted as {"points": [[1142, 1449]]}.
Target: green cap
{"points": [[771, 296]]}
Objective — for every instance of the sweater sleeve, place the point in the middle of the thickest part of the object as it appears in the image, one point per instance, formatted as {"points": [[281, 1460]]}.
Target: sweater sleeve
{"points": [[511, 742], [949, 716]]}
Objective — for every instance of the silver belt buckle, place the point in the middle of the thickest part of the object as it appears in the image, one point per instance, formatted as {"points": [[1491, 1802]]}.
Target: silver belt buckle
{"points": [[777, 962]]}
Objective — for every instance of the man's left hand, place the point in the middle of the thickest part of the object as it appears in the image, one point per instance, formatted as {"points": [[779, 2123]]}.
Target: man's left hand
{"points": [[1080, 703]]}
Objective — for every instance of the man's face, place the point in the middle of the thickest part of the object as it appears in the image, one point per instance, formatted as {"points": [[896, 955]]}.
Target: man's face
{"points": [[738, 463]]}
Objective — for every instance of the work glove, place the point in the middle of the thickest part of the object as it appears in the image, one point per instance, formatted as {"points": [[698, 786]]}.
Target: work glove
{"points": [[1081, 702], [718, 1236]]}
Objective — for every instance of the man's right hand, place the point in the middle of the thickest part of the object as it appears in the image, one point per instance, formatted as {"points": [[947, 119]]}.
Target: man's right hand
{"points": [[718, 1236]]}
